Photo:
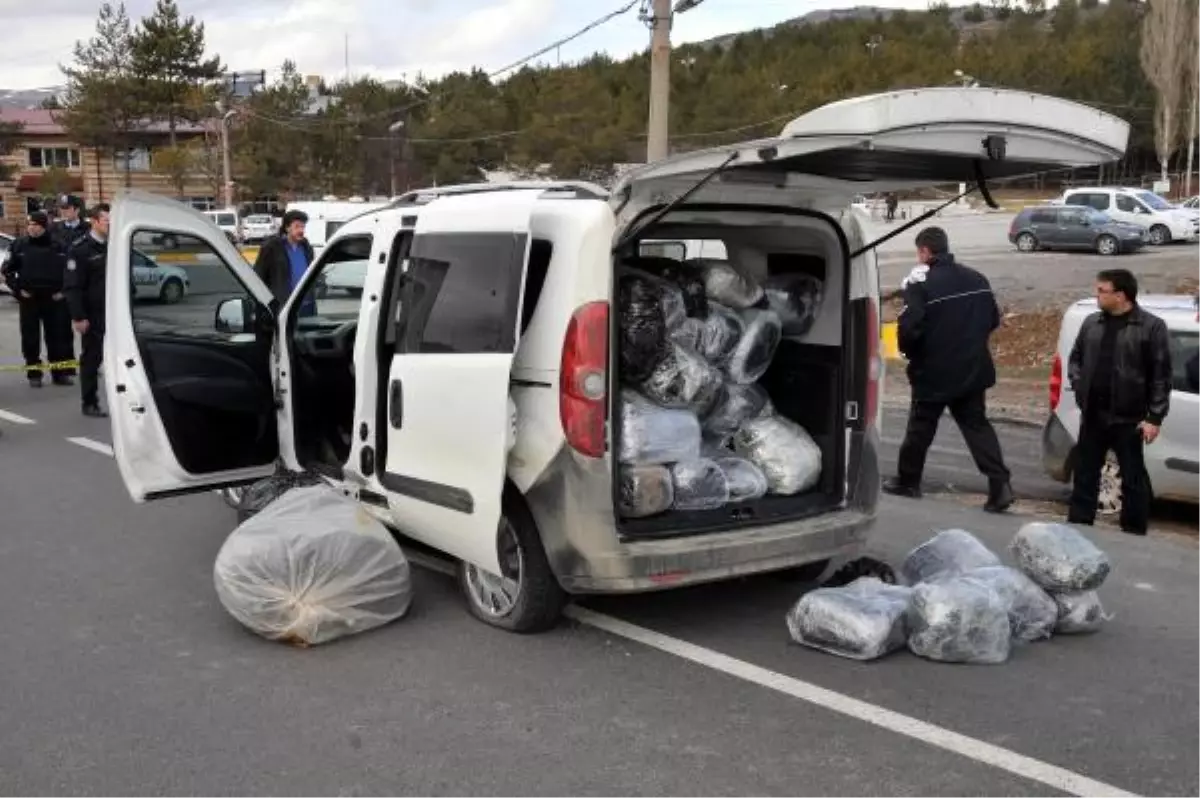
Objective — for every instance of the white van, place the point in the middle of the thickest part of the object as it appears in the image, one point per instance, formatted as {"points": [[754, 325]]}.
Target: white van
{"points": [[478, 301], [1163, 221], [227, 220], [324, 217]]}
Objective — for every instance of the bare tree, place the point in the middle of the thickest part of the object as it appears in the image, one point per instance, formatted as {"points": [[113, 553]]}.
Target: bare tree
{"points": [[1192, 87], [1165, 33]]}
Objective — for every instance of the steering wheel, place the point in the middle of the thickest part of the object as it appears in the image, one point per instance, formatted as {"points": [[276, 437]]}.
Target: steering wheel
{"points": [[325, 342]]}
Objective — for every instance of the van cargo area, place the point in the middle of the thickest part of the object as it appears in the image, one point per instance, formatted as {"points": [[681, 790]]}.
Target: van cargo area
{"points": [[729, 372]]}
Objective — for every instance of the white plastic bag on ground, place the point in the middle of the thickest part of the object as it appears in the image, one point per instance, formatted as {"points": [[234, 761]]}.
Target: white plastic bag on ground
{"points": [[313, 566], [1059, 558], [959, 619], [784, 450], [752, 356], [863, 620], [683, 379], [1032, 614], [745, 480], [652, 435], [1079, 613], [725, 284], [951, 551], [699, 485], [645, 490]]}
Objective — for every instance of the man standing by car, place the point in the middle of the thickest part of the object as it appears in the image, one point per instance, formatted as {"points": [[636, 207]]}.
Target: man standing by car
{"points": [[34, 273], [283, 259], [1120, 371], [949, 315], [70, 227], [87, 265]]}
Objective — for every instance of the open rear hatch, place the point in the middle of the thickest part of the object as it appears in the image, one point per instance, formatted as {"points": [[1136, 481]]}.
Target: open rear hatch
{"points": [[774, 202]]}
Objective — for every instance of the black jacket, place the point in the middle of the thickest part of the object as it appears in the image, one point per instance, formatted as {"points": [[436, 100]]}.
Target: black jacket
{"points": [[35, 264], [87, 265], [273, 268], [944, 330], [1141, 367], [65, 237]]}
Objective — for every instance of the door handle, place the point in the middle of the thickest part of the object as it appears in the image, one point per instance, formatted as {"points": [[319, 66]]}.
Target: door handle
{"points": [[396, 405]]}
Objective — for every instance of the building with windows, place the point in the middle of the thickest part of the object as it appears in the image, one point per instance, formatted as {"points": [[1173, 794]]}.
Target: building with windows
{"points": [[47, 163]]}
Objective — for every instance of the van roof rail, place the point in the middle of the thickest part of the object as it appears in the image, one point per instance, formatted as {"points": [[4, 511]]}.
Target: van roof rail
{"points": [[581, 190]]}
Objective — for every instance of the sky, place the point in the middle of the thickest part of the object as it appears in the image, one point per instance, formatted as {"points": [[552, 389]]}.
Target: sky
{"points": [[388, 39]]}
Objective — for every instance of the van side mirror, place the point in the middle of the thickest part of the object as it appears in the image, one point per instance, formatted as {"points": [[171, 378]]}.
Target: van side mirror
{"points": [[235, 316]]}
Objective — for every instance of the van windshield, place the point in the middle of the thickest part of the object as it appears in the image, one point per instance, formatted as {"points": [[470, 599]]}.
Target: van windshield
{"points": [[1153, 200]]}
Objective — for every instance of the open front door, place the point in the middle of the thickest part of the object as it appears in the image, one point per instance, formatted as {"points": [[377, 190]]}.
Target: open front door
{"points": [[188, 383], [893, 141], [447, 391]]}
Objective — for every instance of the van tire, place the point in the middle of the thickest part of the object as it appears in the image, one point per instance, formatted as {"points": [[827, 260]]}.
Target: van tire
{"points": [[540, 599], [1107, 245], [1027, 242], [1159, 235]]}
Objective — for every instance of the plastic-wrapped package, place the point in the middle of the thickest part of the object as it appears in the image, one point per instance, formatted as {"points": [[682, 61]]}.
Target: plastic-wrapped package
{"points": [[645, 490], [720, 334], [312, 567], [863, 620], [736, 405], [797, 300], [256, 497], [643, 329], [951, 551], [752, 356], [959, 619], [784, 450], [1032, 614], [1059, 558], [684, 379], [699, 485], [673, 306], [727, 285], [688, 333], [1079, 612], [745, 480], [690, 280], [652, 435]]}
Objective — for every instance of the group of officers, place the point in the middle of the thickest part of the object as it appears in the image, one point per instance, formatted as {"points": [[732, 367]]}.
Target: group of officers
{"points": [[56, 271]]}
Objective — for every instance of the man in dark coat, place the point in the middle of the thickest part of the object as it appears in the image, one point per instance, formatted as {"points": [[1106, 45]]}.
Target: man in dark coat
{"points": [[949, 315], [1120, 372], [70, 226], [34, 273], [283, 259], [87, 265]]}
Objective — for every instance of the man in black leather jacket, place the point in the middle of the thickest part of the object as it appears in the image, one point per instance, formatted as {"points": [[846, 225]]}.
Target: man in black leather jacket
{"points": [[949, 315], [1120, 371]]}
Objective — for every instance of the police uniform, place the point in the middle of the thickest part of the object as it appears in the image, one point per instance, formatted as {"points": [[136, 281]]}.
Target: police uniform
{"points": [[34, 272], [65, 235], [84, 288]]}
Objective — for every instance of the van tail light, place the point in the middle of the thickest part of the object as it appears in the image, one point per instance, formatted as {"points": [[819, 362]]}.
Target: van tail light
{"points": [[1056, 381], [874, 364], [583, 381]]}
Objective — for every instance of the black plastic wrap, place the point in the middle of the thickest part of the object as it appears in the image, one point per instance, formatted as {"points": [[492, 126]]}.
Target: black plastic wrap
{"points": [[752, 356], [797, 300], [1059, 558], [690, 280], [736, 405], [643, 330], [652, 435], [1079, 613], [959, 619], [645, 490], [728, 286], [863, 620], [699, 485], [1032, 614], [688, 333], [257, 496], [784, 450], [951, 551], [683, 379], [745, 481], [720, 334]]}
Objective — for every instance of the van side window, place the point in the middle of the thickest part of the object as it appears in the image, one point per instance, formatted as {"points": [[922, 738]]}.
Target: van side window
{"points": [[462, 292], [1099, 201], [1126, 204], [1043, 216], [540, 252]]}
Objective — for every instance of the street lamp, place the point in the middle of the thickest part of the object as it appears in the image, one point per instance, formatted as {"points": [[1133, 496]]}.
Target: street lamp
{"points": [[393, 132], [225, 168]]}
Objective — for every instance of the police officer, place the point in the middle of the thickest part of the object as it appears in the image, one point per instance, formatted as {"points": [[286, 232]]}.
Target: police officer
{"points": [[84, 288], [70, 227], [34, 273], [949, 315]]}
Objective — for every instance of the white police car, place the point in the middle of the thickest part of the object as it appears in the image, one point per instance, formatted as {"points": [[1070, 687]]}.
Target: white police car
{"points": [[153, 280]]}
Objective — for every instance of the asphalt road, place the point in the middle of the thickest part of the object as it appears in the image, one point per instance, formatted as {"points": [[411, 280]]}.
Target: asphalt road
{"points": [[123, 675]]}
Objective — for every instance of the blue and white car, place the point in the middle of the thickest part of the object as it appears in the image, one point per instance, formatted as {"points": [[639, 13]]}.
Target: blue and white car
{"points": [[155, 281]]}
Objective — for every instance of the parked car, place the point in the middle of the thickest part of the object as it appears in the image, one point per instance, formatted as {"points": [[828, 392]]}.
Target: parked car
{"points": [[1073, 228], [1162, 221], [227, 220], [1192, 203], [472, 400], [259, 227], [1172, 461], [152, 280]]}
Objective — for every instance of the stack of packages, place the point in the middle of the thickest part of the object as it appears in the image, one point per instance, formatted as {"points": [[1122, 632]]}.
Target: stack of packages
{"points": [[963, 604], [697, 431]]}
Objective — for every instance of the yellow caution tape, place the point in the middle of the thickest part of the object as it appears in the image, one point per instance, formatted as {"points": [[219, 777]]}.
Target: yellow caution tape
{"points": [[59, 366]]}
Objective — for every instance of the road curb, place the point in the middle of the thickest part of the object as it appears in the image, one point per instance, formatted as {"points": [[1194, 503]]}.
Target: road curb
{"points": [[997, 414]]}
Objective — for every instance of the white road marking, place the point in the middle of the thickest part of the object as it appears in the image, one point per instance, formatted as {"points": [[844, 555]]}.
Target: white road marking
{"points": [[6, 415], [969, 747], [95, 446]]}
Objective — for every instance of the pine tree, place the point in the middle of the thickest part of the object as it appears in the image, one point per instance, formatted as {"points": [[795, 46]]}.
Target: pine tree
{"points": [[168, 57]]}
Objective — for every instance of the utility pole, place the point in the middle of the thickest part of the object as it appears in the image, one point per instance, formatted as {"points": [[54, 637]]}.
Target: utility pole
{"points": [[660, 81], [226, 171]]}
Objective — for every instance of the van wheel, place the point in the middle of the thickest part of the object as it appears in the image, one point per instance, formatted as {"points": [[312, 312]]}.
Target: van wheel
{"points": [[172, 292], [1107, 245], [1027, 243], [1159, 235], [526, 598]]}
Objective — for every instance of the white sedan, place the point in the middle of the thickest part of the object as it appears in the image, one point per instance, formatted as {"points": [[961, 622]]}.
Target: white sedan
{"points": [[153, 280], [259, 227]]}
